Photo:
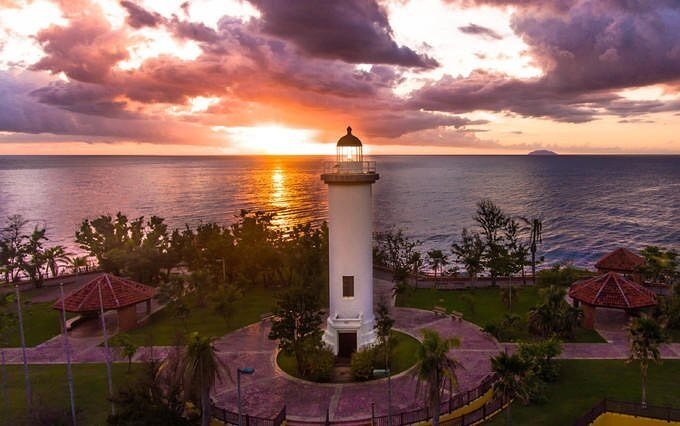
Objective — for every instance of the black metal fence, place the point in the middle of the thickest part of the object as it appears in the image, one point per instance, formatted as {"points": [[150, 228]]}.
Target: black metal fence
{"points": [[398, 419], [229, 417], [629, 408]]}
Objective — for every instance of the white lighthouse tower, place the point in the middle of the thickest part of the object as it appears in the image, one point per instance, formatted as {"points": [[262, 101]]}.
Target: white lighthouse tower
{"points": [[350, 225]]}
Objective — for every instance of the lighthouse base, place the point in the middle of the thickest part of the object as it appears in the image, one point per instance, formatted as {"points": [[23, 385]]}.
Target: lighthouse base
{"points": [[347, 335]]}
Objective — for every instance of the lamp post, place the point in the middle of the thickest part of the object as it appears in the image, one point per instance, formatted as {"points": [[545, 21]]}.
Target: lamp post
{"points": [[386, 373], [107, 351], [239, 371], [27, 382], [67, 351]]}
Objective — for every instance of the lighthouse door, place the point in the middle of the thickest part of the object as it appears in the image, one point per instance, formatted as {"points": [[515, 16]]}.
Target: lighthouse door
{"points": [[347, 344]]}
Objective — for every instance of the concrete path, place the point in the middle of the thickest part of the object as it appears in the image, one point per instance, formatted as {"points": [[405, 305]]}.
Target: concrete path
{"points": [[266, 391]]}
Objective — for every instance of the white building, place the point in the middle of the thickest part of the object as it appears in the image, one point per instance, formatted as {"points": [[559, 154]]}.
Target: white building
{"points": [[350, 224]]}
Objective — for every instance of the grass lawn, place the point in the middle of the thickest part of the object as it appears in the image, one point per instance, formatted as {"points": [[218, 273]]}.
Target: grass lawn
{"points": [[404, 353], [164, 328], [584, 383], [41, 322], [484, 305], [50, 391]]}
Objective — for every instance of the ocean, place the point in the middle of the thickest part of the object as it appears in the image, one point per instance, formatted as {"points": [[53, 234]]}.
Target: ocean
{"points": [[589, 204]]}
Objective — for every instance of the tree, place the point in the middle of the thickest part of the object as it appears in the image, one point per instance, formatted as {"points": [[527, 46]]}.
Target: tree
{"points": [[297, 319], [535, 226], [434, 368], [35, 257], [397, 251], [469, 252], [492, 222], [153, 397], [126, 347], [383, 327], [135, 247], [202, 368], [510, 371], [660, 265], [54, 256], [416, 263], [645, 335], [76, 263], [12, 250], [225, 300], [437, 260], [554, 316]]}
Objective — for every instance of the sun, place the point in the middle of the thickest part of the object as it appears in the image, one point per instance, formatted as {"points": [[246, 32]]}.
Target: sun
{"points": [[275, 139]]}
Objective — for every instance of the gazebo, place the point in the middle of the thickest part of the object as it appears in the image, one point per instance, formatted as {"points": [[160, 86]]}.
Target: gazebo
{"points": [[117, 293], [622, 261], [610, 290]]}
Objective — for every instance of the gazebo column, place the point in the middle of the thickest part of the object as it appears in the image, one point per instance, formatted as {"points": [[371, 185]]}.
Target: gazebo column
{"points": [[588, 320], [127, 318]]}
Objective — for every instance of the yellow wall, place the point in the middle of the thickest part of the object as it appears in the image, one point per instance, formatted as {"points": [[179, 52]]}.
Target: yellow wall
{"points": [[615, 419], [464, 409]]}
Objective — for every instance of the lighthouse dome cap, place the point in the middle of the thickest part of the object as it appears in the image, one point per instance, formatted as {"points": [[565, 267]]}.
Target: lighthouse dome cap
{"points": [[349, 139]]}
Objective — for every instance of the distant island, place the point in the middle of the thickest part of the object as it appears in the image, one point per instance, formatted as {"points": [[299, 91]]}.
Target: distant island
{"points": [[542, 152]]}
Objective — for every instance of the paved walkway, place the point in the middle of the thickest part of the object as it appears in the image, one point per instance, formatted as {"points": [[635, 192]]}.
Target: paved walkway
{"points": [[266, 391]]}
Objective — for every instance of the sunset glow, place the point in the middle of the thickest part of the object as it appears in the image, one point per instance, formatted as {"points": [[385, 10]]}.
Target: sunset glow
{"points": [[264, 77]]}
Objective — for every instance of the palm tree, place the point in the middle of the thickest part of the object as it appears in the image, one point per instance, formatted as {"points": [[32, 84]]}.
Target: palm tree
{"points": [[416, 262], [53, 257], [437, 259], [536, 237], [510, 371], [201, 368], [645, 335], [435, 367]]}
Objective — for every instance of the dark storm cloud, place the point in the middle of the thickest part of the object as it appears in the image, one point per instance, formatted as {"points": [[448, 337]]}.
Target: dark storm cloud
{"points": [[355, 31], [139, 17], [588, 50], [478, 30]]}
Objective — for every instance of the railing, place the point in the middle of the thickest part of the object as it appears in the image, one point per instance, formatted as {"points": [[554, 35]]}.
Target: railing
{"points": [[349, 167], [229, 417], [452, 404], [630, 408], [398, 419]]}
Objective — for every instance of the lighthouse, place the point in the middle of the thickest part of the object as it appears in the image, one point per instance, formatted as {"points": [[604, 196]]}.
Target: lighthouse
{"points": [[350, 226]]}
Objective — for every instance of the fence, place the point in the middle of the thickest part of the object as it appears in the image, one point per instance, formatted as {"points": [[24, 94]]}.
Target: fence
{"points": [[229, 417], [629, 408], [398, 419]]}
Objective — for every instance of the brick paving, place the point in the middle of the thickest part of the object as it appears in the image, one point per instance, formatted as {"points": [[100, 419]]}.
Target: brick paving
{"points": [[266, 391]]}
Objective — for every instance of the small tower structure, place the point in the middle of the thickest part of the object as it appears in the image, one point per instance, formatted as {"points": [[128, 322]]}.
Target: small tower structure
{"points": [[350, 324]]}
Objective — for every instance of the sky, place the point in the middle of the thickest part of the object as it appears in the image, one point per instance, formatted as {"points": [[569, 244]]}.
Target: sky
{"points": [[200, 77]]}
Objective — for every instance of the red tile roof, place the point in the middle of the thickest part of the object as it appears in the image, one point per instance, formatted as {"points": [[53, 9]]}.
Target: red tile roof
{"points": [[612, 290], [620, 260], [116, 293]]}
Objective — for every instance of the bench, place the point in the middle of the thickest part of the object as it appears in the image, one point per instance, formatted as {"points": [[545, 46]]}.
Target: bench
{"points": [[455, 315], [71, 322], [266, 316], [440, 311]]}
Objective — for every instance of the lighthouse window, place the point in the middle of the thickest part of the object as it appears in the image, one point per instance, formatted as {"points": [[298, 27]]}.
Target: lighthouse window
{"points": [[347, 286]]}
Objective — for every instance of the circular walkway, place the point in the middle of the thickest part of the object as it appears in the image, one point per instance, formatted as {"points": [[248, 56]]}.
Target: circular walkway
{"points": [[265, 392]]}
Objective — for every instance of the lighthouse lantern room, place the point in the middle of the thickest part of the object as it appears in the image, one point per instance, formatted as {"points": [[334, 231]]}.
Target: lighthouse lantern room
{"points": [[350, 324]]}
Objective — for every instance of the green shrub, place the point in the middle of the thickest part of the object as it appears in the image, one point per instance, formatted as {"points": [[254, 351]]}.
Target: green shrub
{"points": [[320, 364], [363, 363], [561, 275]]}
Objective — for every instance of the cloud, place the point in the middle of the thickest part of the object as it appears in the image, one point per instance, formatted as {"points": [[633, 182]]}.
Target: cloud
{"points": [[478, 30], [21, 113], [588, 50], [139, 17], [355, 31], [85, 50]]}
